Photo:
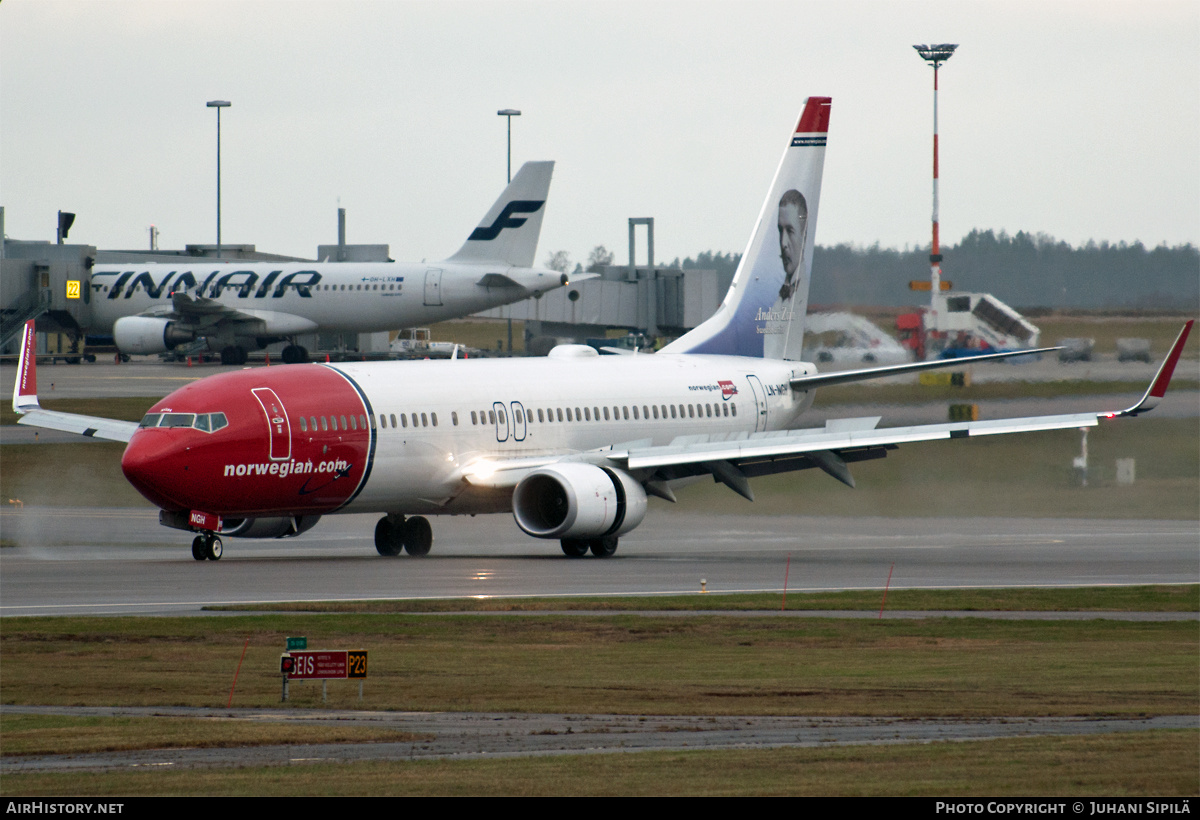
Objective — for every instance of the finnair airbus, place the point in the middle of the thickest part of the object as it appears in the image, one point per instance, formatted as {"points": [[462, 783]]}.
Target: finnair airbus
{"points": [[572, 444], [235, 306]]}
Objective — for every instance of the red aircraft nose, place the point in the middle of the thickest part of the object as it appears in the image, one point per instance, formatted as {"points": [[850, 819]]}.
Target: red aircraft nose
{"points": [[152, 464]]}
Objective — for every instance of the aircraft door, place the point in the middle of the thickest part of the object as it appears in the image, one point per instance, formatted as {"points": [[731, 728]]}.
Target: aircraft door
{"points": [[518, 421], [433, 287], [760, 403], [501, 421], [278, 426]]}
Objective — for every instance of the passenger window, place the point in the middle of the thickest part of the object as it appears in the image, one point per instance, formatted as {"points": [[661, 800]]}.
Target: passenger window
{"points": [[403, 420], [433, 416], [363, 421], [491, 416], [541, 417], [560, 415], [424, 420], [344, 427], [312, 422], [733, 409], [454, 417], [324, 426], [606, 414], [353, 423], [303, 426], [474, 418]]}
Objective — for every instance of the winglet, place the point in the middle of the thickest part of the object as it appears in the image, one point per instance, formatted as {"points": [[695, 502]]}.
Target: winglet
{"points": [[25, 390], [1158, 387]]}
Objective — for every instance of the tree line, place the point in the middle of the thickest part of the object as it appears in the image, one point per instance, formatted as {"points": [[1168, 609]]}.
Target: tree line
{"points": [[1025, 270]]}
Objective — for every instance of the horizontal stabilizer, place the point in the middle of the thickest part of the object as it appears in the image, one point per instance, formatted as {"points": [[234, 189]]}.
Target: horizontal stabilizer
{"points": [[867, 373]]}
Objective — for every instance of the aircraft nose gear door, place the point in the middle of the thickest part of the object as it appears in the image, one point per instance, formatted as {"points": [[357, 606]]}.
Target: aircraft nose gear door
{"points": [[433, 287], [277, 423]]}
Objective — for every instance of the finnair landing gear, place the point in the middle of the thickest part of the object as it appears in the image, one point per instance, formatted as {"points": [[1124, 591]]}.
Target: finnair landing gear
{"points": [[233, 354], [578, 547], [207, 547], [394, 533], [294, 354]]}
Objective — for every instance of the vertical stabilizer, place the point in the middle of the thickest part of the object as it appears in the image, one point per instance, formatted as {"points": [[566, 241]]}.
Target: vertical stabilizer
{"points": [[509, 232], [763, 312]]}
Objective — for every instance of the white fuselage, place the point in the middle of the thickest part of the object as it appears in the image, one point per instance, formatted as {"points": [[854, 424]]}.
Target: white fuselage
{"points": [[557, 406], [305, 297]]}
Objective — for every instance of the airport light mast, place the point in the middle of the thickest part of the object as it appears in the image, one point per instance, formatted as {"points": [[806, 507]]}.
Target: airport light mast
{"points": [[218, 104], [935, 55], [509, 113]]}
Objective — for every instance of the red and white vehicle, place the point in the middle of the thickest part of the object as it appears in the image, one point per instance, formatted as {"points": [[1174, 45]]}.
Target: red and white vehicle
{"points": [[571, 444]]}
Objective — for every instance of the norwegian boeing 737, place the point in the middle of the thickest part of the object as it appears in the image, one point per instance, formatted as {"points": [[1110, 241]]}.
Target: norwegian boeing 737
{"points": [[236, 306], [572, 444]]}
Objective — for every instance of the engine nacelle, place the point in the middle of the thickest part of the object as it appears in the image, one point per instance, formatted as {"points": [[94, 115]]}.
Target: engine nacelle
{"points": [[147, 334], [572, 500], [268, 527]]}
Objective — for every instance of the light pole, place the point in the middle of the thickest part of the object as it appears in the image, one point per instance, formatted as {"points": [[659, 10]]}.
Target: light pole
{"points": [[509, 113], [935, 55], [218, 104]]}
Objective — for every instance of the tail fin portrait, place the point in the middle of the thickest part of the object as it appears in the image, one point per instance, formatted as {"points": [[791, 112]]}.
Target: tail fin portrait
{"points": [[763, 312], [509, 231]]}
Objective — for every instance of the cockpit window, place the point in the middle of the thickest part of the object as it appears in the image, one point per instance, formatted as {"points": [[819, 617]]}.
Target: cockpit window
{"points": [[177, 420], [205, 422]]}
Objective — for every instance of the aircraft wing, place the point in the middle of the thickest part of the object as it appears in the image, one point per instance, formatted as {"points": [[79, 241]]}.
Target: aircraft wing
{"points": [[25, 403], [92, 426], [732, 459]]}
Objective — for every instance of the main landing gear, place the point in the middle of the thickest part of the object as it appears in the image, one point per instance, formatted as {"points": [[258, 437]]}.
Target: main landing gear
{"points": [[294, 354], [233, 354], [207, 547], [600, 547], [394, 534]]}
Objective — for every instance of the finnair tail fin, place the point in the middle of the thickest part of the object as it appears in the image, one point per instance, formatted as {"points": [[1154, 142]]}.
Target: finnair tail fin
{"points": [[764, 310], [509, 232]]}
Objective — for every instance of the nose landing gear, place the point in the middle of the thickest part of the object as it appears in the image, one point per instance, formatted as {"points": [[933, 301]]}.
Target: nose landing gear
{"points": [[207, 548]]}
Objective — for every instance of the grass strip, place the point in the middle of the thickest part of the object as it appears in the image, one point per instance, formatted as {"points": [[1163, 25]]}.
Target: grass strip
{"points": [[1146, 764], [621, 663], [1157, 598]]}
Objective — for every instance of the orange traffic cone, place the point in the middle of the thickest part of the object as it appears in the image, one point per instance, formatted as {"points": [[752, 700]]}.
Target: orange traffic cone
{"points": [[189, 361]]}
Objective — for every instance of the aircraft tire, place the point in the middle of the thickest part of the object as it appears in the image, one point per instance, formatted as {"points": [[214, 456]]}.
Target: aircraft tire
{"points": [[418, 536], [294, 354], [574, 547], [387, 541], [199, 548], [214, 549], [603, 547]]}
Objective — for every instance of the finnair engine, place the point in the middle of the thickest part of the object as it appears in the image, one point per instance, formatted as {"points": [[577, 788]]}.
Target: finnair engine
{"points": [[572, 500], [269, 527], [146, 334]]}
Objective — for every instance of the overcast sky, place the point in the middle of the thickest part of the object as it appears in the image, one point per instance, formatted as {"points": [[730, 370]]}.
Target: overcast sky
{"points": [[1077, 119]]}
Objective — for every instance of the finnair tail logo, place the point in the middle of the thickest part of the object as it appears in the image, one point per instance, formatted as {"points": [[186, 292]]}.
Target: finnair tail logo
{"points": [[506, 218]]}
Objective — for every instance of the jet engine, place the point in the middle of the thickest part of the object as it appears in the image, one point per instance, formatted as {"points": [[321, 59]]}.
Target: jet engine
{"points": [[573, 500], [268, 527], [146, 334]]}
